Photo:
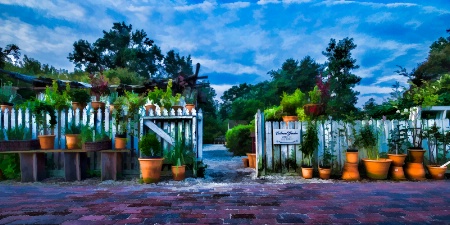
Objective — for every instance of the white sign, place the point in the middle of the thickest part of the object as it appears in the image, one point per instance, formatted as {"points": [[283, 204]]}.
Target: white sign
{"points": [[286, 136]]}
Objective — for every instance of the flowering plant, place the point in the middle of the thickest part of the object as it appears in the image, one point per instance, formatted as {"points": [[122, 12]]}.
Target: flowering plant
{"points": [[99, 85]]}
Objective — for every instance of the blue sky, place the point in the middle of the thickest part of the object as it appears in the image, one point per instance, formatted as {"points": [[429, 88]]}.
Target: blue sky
{"points": [[240, 41]]}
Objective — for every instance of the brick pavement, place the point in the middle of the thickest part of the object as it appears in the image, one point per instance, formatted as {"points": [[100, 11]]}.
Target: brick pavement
{"points": [[382, 202]]}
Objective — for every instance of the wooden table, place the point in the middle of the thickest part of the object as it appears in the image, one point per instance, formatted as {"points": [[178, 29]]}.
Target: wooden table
{"points": [[32, 164]]}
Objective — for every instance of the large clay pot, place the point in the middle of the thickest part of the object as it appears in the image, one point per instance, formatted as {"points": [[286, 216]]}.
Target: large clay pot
{"points": [[307, 172], [150, 107], [189, 107], [120, 143], [46, 141], [437, 172], [178, 172], [397, 173], [350, 171], [98, 105], [251, 160], [415, 171], [324, 173], [245, 162], [397, 159], [73, 141], [151, 169], [352, 156], [80, 106], [377, 169], [416, 155], [288, 119]]}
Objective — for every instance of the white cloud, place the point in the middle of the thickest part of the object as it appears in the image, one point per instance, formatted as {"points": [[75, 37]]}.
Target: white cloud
{"points": [[206, 6], [220, 89], [221, 66], [261, 59], [392, 78], [380, 17], [236, 5]]}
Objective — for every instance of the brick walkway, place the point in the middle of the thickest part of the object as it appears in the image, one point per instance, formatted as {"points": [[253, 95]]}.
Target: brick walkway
{"points": [[345, 203]]}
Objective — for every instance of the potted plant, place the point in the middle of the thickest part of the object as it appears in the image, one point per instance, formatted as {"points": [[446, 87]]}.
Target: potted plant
{"points": [[314, 108], [325, 164], [398, 144], [7, 96], [179, 156], [17, 139], [190, 97], [99, 88], [80, 98], [150, 160], [376, 167], [414, 168], [91, 140], [273, 114], [290, 104], [40, 110], [120, 139], [309, 144], [433, 137], [111, 99], [154, 98], [73, 131]]}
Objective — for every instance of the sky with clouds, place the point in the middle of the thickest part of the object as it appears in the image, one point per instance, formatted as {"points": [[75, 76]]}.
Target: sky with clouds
{"points": [[240, 41]]}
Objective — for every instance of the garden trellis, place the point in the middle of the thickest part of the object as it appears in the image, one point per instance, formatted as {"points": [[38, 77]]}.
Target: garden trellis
{"points": [[190, 125], [284, 158]]}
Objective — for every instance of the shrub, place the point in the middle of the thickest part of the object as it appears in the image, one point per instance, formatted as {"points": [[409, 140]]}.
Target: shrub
{"points": [[150, 146], [238, 140]]}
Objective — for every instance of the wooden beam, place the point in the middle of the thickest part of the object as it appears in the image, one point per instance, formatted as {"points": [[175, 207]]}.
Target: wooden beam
{"points": [[160, 132]]}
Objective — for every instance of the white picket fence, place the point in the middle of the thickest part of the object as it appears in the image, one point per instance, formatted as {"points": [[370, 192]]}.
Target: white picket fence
{"points": [[188, 124], [275, 158]]}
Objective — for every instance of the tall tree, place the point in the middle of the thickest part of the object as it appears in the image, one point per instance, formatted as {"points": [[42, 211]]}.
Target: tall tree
{"points": [[174, 64], [10, 50], [340, 64], [119, 47]]}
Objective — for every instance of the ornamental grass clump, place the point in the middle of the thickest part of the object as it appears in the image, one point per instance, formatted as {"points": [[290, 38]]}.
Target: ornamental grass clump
{"points": [[367, 140]]}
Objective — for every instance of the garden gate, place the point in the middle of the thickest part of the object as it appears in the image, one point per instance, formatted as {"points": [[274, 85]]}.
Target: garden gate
{"points": [[287, 158]]}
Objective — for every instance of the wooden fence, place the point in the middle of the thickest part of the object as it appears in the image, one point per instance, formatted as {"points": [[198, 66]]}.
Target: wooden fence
{"points": [[283, 158], [187, 124]]}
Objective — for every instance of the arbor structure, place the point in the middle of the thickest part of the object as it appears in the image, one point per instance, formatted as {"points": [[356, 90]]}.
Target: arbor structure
{"points": [[339, 66]]}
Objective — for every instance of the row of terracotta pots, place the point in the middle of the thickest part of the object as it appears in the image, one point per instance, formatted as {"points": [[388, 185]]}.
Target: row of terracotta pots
{"points": [[189, 108], [151, 170]]}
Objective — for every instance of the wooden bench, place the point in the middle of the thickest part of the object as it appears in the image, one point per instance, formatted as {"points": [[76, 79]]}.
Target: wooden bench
{"points": [[32, 164]]}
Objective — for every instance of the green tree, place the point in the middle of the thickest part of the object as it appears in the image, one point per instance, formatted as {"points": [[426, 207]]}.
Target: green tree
{"points": [[119, 47], [31, 66], [10, 50], [174, 64], [340, 64]]}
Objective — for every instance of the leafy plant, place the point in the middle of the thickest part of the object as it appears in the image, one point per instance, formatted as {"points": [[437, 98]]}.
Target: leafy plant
{"points": [[73, 128], [10, 165], [79, 95], [180, 154], [314, 95], [99, 85], [190, 95], [291, 103], [134, 103], [398, 141], [88, 134], [150, 146], [238, 140], [57, 99], [310, 142], [40, 109], [7, 93], [273, 114], [113, 97], [433, 136], [19, 133], [367, 140], [155, 96]]}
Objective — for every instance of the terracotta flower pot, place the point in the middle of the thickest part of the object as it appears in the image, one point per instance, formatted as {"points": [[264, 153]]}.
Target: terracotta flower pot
{"points": [[416, 155], [151, 169], [178, 172], [245, 161], [397, 173], [324, 173], [350, 171], [377, 169], [46, 141], [120, 143], [251, 160], [189, 107], [397, 159], [4, 107], [73, 141], [98, 105], [288, 119], [437, 172], [80, 106], [415, 171], [307, 172], [176, 108], [352, 156], [150, 107]]}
